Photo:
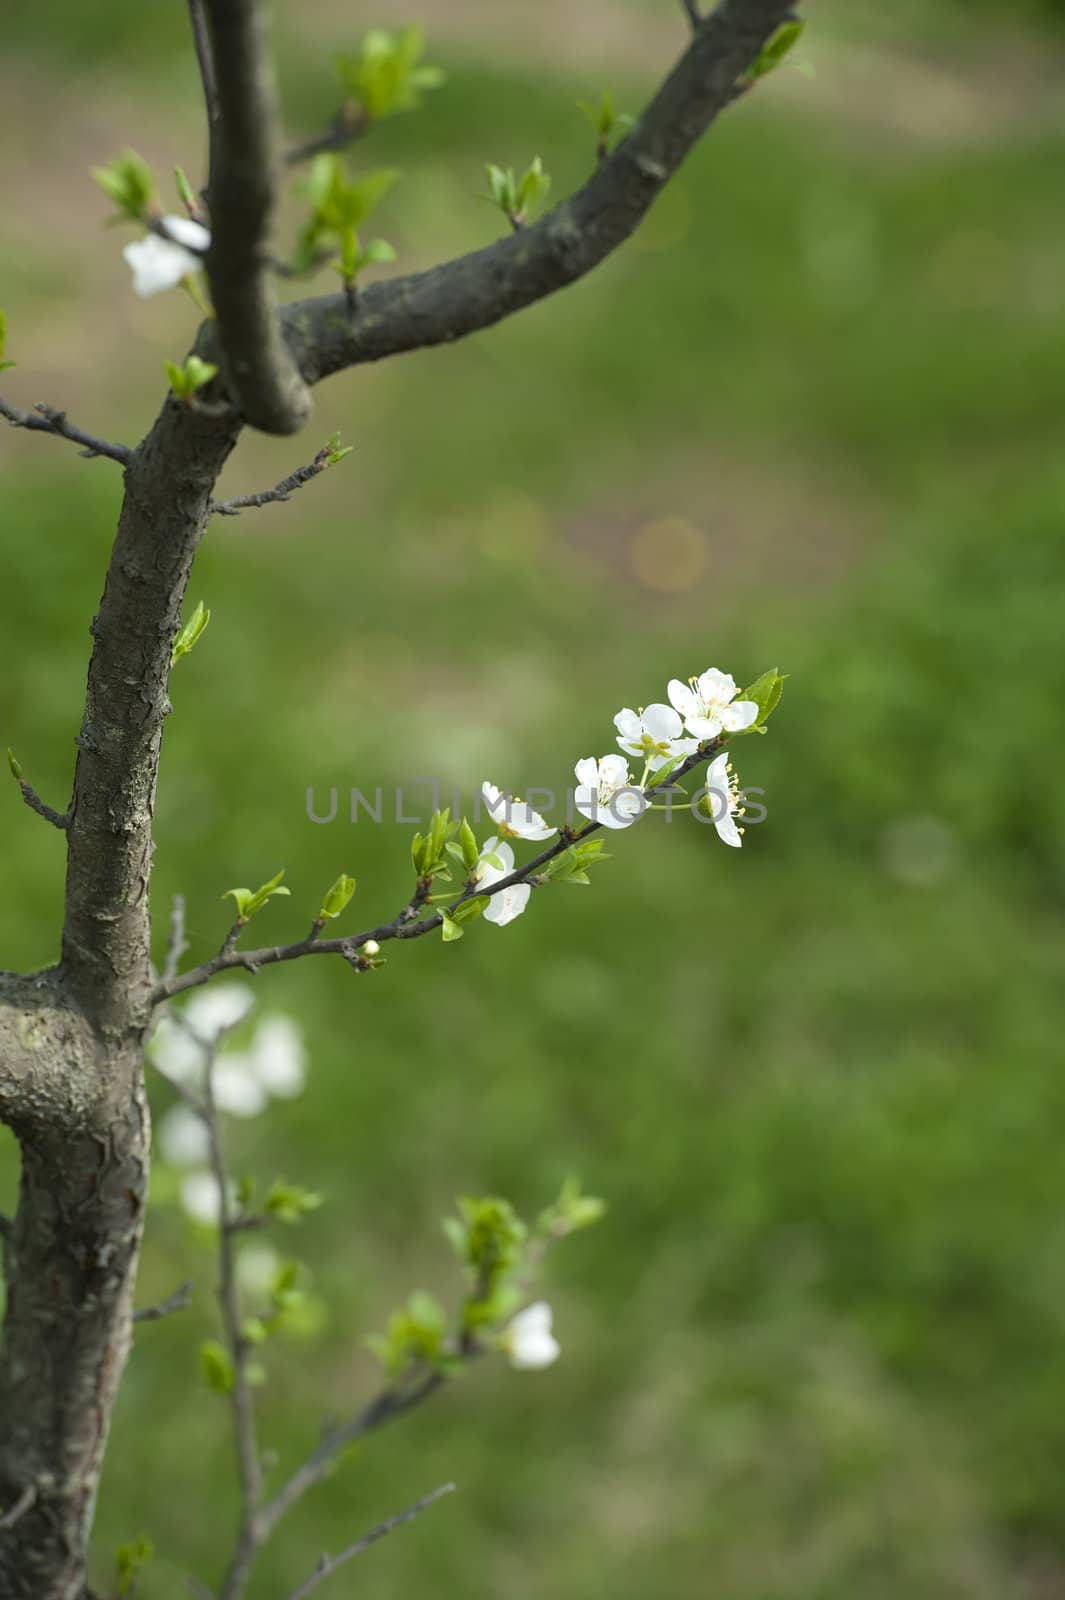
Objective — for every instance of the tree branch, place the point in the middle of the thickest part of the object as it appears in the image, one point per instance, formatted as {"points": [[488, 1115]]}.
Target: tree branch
{"points": [[249, 1462], [256, 366], [204, 60], [349, 124], [46, 419], [384, 1408], [180, 1300], [402, 926], [327, 334], [169, 481], [58, 819], [692, 12], [330, 1564], [177, 943], [282, 491]]}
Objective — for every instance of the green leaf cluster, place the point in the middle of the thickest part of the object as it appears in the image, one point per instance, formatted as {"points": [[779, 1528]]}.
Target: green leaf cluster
{"points": [[186, 379], [340, 204], [388, 74], [249, 901], [517, 198], [129, 183], [130, 1562]]}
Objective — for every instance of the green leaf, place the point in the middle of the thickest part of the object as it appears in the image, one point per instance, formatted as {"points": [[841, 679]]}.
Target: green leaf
{"points": [[451, 928], [469, 910], [765, 692], [377, 250], [190, 633], [467, 842], [338, 897], [16, 770], [216, 1366], [129, 183], [266, 892], [184, 189], [774, 50], [336, 451], [286, 1202], [4, 365], [185, 380], [387, 76], [130, 1561]]}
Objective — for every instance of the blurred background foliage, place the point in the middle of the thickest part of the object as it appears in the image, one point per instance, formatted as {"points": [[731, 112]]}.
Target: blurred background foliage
{"points": [[811, 416]]}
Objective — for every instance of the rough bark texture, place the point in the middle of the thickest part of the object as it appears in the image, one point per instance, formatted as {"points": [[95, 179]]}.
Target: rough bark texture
{"points": [[71, 1082]]}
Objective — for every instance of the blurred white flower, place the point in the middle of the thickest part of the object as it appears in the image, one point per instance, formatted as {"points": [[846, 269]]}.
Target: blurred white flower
{"points": [[236, 1085], [176, 1053], [529, 1341], [201, 1197], [724, 799], [159, 264], [606, 793], [257, 1268], [653, 735], [514, 817], [216, 1010], [182, 1137], [279, 1058], [508, 903], [709, 706]]}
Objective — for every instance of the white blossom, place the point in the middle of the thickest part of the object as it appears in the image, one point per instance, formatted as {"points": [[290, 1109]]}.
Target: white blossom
{"points": [[606, 793], [653, 735], [176, 1053], [236, 1086], [216, 1010], [257, 1268], [201, 1197], [161, 263], [724, 799], [278, 1057], [182, 1137], [510, 902], [529, 1341], [709, 706], [512, 817]]}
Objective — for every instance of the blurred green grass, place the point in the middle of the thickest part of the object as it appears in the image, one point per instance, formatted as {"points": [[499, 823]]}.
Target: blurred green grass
{"points": [[816, 1348]]}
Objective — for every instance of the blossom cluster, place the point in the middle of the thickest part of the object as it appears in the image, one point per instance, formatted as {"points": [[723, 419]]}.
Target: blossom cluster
{"points": [[273, 1066], [608, 793]]}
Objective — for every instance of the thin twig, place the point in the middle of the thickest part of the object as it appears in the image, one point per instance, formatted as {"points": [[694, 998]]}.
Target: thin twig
{"points": [[693, 14], [401, 926], [349, 124], [202, 43], [177, 944], [385, 1407], [330, 1564], [25, 1500], [249, 1462], [46, 419], [280, 492], [180, 1300], [58, 819], [5, 1228]]}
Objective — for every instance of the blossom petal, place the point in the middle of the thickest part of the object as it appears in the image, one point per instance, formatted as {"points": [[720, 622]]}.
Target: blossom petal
{"points": [[183, 230], [587, 773], [683, 698], [613, 772], [703, 727], [740, 714], [508, 904], [628, 725], [717, 687], [662, 722]]}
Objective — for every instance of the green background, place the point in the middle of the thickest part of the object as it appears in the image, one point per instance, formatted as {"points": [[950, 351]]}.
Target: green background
{"points": [[811, 415]]}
